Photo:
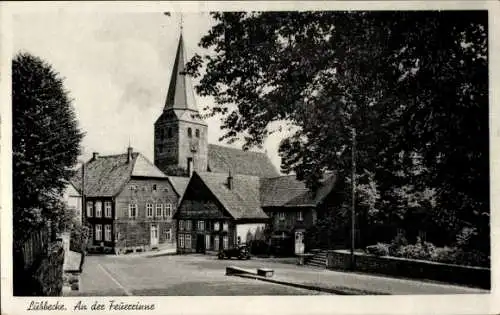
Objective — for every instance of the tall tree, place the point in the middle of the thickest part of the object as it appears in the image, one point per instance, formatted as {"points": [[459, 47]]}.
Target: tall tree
{"points": [[45, 143], [414, 85]]}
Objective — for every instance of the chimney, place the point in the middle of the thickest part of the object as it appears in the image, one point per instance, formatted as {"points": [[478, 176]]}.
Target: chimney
{"points": [[190, 166], [95, 156], [129, 154], [230, 181]]}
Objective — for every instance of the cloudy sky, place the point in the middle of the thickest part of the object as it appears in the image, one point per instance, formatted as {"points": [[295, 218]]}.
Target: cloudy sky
{"points": [[117, 68]]}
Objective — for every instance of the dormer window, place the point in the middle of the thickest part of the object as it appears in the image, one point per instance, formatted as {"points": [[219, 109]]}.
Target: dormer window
{"points": [[190, 133], [197, 133]]}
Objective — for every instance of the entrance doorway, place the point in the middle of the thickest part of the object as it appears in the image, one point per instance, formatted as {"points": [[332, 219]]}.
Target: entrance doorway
{"points": [[154, 235], [299, 243], [200, 243]]}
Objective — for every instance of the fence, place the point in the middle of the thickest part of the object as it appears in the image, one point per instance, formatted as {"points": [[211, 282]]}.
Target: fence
{"points": [[34, 247]]}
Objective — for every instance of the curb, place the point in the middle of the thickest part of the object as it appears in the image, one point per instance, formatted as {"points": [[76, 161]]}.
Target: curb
{"points": [[338, 290]]}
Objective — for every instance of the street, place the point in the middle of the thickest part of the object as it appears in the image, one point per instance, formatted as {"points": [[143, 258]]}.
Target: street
{"points": [[173, 275], [205, 275]]}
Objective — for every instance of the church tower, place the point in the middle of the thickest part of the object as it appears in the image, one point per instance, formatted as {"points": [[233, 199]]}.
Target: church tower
{"points": [[181, 135]]}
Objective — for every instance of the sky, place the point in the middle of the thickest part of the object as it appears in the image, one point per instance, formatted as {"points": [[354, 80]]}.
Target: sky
{"points": [[117, 67]]}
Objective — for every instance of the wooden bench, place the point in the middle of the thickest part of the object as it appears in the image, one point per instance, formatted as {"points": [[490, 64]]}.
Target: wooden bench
{"points": [[265, 272], [233, 270]]}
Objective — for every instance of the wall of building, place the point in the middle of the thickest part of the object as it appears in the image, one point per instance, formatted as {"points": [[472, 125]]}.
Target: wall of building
{"points": [[136, 232], [73, 200], [165, 143], [186, 144], [291, 220], [243, 231]]}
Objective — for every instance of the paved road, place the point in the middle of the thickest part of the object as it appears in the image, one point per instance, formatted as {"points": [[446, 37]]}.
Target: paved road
{"points": [[171, 275], [205, 275]]}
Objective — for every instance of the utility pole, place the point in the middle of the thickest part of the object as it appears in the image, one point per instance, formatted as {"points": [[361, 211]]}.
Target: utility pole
{"points": [[353, 198]]}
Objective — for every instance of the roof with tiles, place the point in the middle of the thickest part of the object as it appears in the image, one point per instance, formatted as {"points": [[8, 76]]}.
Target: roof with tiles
{"points": [[105, 176], [179, 184], [242, 201], [287, 191], [223, 159]]}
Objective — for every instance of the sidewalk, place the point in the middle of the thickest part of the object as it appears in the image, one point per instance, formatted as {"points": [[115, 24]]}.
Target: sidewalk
{"points": [[356, 283]]}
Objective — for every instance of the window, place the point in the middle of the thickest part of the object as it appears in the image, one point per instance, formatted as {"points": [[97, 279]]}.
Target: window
{"points": [[197, 133], [216, 242], [216, 226], [169, 132], [225, 242], [190, 133], [168, 235], [98, 232], [181, 240], [299, 216], [188, 225], [149, 210], [107, 232], [181, 225], [201, 225], [162, 134], [133, 187], [159, 210], [132, 210], [225, 226], [90, 209], [154, 187], [188, 240], [281, 216], [107, 209], [168, 210], [98, 209]]}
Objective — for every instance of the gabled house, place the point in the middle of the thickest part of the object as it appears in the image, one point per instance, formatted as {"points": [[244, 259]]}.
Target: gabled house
{"points": [[217, 211], [129, 203], [220, 210]]}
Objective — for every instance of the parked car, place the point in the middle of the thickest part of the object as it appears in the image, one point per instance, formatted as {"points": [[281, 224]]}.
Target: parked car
{"points": [[241, 252]]}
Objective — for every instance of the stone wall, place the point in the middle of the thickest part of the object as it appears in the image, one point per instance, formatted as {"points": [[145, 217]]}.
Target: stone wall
{"points": [[409, 268]]}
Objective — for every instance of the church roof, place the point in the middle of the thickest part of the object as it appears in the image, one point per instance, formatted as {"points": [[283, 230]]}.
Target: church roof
{"points": [[223, 159], [106, 176], [287, 191], [180, 91], [242, 200]]}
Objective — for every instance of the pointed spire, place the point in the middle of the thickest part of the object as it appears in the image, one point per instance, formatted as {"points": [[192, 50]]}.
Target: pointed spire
{"points": [[180, 91]]}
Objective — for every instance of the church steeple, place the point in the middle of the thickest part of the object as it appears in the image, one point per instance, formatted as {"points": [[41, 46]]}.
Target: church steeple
{"points": [[180, 91], [181, 134]]}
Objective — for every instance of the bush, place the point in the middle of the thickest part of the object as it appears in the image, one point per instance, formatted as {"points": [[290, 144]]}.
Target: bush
{"points": [[398, 242], [420, 250], [79, 238], [379, 249]]}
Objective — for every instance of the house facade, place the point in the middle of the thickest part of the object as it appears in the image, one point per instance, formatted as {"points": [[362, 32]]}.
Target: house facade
{"points": [[217, 212], [129, 204]]}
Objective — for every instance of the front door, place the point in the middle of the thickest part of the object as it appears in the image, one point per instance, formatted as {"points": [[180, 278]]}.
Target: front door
{"points": [[299, 243], [154, 235], [200, 243]]}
